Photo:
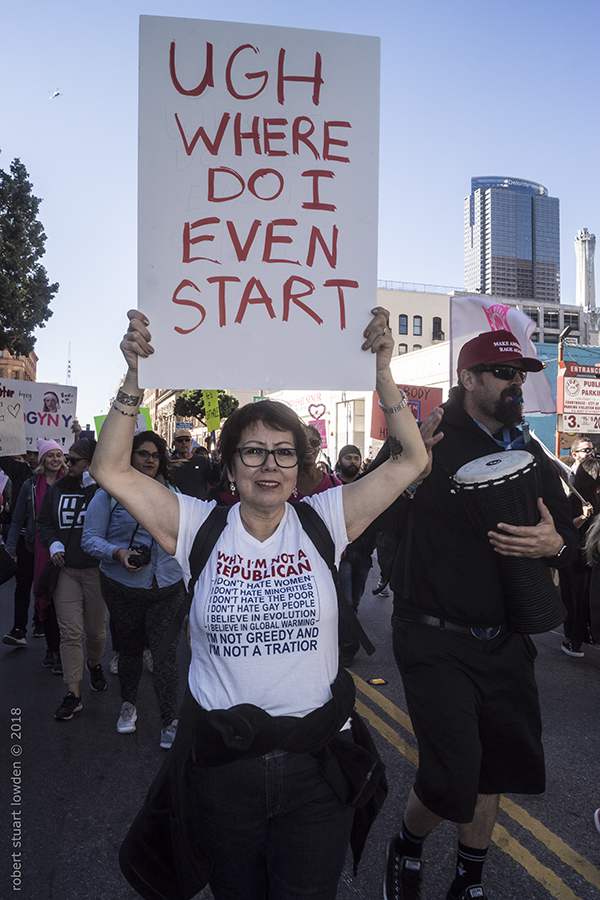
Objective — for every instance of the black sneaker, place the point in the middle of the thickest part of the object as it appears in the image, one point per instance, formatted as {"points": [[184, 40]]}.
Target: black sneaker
{"points": [[473, 892], [98, 682], [15, 638], [402, 880], [49, 660], [38, 631], [69, 706]]}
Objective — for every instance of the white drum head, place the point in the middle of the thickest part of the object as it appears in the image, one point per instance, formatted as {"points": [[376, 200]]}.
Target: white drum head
{"points": [[494, 467]]}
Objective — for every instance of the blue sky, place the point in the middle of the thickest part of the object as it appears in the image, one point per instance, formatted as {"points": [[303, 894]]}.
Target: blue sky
{"points": [[468, 88]]}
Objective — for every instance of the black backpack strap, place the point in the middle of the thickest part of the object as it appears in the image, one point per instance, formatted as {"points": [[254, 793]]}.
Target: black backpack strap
{"points": [[204, 543], [317, 530]]}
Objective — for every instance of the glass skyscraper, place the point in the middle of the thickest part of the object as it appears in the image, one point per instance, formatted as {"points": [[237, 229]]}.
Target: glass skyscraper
{"points": [[512, 241]]}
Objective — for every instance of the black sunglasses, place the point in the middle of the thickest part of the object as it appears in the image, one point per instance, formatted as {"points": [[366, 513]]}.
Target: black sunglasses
{"points": [[504, 373]]}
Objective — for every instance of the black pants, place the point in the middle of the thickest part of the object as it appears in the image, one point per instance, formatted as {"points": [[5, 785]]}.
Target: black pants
{"points": [[387, 545], [575, 594], [24, 581], [51, 630], [138, 614], [353, 577], [272, 827]]}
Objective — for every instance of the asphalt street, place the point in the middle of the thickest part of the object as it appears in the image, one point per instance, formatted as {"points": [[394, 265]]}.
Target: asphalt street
{"points": [[81, 782]]}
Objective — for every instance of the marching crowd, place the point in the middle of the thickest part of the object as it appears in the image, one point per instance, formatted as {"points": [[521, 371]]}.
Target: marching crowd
{"points": [[130, 534]]}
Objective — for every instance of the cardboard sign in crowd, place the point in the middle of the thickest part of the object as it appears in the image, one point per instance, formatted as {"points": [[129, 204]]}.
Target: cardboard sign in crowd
{"points": [[258, 179], [30, 410]]}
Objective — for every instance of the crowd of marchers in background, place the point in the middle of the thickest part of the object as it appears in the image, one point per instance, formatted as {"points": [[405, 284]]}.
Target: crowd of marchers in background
{"points": [[84, 567], [82, 561]]}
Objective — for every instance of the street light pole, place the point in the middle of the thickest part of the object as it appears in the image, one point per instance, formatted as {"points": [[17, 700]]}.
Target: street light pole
{"points": [[561, 354]]}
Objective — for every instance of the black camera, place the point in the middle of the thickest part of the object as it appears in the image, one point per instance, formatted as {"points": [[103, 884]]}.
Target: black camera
{"points": [[140, 555]]}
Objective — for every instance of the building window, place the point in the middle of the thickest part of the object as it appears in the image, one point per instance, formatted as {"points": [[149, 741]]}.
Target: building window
{"points": [[417, 326], [551, 339], [402, 348], [417, 346], [437, 334], [535, 337], [550, 319], [572, 319], [403, 325], [533, 313]]}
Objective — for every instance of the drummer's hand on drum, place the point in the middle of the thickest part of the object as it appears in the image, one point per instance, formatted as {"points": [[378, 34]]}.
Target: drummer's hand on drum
{"points": [[535, 541], [428, 428]]}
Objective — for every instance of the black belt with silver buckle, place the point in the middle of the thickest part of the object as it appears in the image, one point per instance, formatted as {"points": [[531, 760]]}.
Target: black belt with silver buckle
{"points": [[477, 631]]}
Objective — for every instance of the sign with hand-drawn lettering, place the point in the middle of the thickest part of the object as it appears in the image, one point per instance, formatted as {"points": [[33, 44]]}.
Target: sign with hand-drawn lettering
{"points": [[422, 401], [47, 411], [258, 191]]}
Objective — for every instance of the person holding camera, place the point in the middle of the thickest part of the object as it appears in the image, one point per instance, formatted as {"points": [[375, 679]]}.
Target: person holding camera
{"points": [[143, 589]]}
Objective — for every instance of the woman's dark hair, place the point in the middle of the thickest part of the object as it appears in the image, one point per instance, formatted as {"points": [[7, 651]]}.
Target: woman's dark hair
{"points": [[143, 437], [272, 413]]}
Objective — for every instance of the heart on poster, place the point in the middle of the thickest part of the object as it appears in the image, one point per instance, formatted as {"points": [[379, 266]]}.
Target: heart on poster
{"points": [[316, 410], [14, 410]]}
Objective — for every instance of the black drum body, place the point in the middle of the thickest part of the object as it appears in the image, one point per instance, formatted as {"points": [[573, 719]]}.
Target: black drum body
{"points": [[503, 487]]}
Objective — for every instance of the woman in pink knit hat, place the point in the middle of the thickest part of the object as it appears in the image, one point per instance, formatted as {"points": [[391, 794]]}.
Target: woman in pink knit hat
{"points": [[51, 466]]}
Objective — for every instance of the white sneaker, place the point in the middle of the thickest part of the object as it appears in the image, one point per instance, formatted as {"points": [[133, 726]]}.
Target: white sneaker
{"points": [[167, 735], [148, 661], [114, 664], [127, 718]]}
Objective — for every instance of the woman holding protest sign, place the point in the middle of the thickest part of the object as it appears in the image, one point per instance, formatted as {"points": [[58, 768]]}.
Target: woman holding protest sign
{"points": [[266, 776]]}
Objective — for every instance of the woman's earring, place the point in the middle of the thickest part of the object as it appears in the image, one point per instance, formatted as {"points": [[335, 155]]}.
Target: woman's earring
{"points": [[232, 487], [295, 493]]}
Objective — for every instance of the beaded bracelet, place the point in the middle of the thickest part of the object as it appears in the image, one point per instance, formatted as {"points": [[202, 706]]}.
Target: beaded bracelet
{"points": [[132, 415]]}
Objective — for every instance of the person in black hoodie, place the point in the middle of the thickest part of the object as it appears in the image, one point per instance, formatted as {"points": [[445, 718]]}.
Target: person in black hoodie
{"points": [[468, 676], [80, 608]]}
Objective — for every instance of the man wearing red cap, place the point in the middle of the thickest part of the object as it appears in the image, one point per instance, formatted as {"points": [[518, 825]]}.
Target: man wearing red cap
{"points": [[469, 680]]}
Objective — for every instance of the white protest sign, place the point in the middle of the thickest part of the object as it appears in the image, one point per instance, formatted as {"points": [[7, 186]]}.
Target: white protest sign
{"points": [[47, 410], [258, 190], [12, 424]]}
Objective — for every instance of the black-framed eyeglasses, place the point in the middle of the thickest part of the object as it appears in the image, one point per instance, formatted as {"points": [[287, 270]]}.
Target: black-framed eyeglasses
{"points": [[285, 457], [148, 454], [504, 373], [584, 450], [73, 460]]}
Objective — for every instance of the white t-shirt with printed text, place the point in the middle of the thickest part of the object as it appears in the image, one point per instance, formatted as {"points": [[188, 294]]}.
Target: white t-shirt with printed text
{"points": [[264, 616]]}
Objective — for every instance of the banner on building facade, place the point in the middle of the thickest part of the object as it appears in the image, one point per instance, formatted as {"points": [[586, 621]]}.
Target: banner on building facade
{"points": [[258, 194], [47, 410], [470, 316]]}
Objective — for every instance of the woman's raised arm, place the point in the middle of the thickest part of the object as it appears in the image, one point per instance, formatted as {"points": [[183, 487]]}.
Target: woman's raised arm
{"points": [[150, 503], [368, 497]]}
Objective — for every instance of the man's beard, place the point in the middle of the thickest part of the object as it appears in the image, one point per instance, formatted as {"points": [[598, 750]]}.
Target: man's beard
{"points": [[349, 471], [509, 407]]}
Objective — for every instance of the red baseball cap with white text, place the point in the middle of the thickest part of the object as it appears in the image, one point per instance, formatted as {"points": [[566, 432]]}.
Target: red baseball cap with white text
{"points": [[496, 348]]}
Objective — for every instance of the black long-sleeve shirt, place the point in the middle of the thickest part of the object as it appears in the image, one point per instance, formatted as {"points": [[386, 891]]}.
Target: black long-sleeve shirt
{"points": [[57, 521]]}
